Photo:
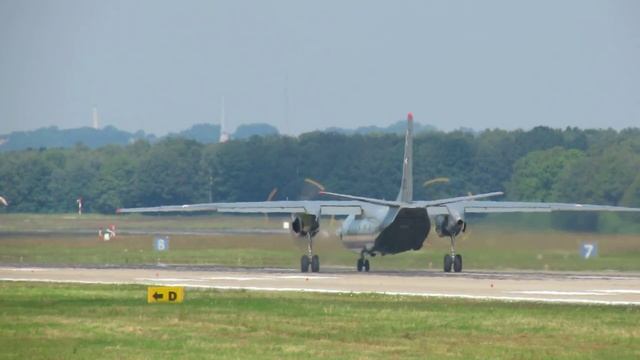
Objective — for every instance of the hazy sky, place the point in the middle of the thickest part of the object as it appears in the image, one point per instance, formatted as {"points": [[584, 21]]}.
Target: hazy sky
{"points": [[163, 66]]}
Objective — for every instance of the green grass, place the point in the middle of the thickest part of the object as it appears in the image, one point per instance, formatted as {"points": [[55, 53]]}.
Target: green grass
{"points": [[60, 222], [484, 246], [63, 321]]}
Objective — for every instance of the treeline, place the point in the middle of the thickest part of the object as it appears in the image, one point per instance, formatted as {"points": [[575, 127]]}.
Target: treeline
{"points": [[53, 137], [589, 166]]}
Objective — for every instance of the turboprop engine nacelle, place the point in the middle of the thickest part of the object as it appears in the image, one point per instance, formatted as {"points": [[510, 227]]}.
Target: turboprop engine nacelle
{"points": [[304, 224], [451, 224]]}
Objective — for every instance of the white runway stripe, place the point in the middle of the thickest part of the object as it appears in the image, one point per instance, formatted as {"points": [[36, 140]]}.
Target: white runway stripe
{"points": [[561, 293], [22, 269], [338, 291], [240, 278], [619, 291]]}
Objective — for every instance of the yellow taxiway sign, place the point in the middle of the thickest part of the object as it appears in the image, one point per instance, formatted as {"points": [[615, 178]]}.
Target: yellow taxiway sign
{"points": [[165, 294]]}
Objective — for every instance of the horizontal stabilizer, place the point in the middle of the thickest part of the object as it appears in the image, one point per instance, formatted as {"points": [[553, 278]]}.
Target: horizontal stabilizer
{"points": [[364, 199], [458, 199]]}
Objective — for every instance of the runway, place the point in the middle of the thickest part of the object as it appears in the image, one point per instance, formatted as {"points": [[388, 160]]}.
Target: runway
{"points": [[578, 288]]}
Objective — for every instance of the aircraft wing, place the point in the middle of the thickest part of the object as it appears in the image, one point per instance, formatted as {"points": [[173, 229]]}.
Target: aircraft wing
{"points": [[483, 207], [264, 207]]}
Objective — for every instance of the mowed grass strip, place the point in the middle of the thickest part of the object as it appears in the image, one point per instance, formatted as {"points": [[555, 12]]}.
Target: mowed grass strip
{"points": [[17, 222], [481, 250], [63, 321], [484, 246]]}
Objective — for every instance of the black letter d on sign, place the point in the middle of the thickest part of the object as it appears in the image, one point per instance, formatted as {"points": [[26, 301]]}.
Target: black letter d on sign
{"points": [[172, 295]]}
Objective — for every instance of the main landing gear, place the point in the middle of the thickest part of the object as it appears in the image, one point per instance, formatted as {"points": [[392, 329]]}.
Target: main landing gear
{"points": [[363, 265], [363, 262], [310, 260], [453, 260]]}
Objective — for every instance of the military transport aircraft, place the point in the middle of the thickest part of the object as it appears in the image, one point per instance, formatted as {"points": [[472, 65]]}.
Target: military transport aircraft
{"points": [[374, 226]]}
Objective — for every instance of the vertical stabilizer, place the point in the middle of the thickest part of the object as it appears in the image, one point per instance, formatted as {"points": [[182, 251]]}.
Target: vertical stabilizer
{"points": [[406, 187]]}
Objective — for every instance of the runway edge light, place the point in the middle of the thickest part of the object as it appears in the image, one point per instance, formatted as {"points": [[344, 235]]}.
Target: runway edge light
{"points": [[165, 294]]}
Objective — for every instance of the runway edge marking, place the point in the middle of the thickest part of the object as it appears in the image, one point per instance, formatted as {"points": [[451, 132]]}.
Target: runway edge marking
{"points": [[336, 291]]}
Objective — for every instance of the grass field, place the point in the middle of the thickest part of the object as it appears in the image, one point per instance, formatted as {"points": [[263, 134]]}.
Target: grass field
{"points": [[24, 222], [62, 321], [484, 246]]}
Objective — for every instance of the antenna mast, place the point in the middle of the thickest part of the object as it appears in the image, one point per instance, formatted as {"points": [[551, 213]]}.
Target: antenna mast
{"points": [[95, 118], [224, 136]]}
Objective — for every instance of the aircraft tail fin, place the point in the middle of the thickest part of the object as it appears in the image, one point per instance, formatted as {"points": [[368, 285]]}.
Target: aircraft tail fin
{"points": [[406, 187]]}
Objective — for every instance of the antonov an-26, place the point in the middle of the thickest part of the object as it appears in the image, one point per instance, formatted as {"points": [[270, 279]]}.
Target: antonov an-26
{"points": [[374, 226]]}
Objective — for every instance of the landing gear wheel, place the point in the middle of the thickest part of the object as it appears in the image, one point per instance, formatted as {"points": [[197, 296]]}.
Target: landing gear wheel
{"points": [[366, 265], [448, 261], [360, 265], [457, 263], [315, 263], [304, 263]]}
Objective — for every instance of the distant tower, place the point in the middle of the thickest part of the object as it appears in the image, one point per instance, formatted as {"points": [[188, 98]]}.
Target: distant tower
{"points": [[95, 118], [286, 103], [224, 136]]}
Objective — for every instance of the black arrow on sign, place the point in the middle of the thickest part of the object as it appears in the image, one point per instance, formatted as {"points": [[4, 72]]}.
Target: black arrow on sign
{"points": [[157, 296]]}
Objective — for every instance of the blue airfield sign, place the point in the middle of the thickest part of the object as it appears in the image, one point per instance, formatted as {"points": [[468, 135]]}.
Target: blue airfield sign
{"points": [[161, 243], [588, 250]]}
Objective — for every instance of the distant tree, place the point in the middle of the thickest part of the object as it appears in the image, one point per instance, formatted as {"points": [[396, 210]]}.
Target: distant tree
{"points": [[601, 178], [202, 133], [112, 187], [249, 130], [538, 138], [26, 177], [572, 165], [169, 173], [631, 196], [73, 180], [535, 175]]}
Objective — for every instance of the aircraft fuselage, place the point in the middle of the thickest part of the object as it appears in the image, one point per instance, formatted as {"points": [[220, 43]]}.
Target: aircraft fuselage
{"points": [[386, 230]]}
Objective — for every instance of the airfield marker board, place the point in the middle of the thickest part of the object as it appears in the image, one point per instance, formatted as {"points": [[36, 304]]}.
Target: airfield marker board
{"points": [[165, 294], [161, 244], [588, 250]]}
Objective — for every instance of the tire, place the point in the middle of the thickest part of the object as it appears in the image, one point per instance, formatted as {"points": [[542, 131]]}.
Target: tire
{"points": [[304, 263], [360, 265], [457, 263], [366, 265], [447, 263], [315, 263]]}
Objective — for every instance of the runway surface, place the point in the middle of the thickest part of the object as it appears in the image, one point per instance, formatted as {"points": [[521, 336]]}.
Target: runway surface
{"points": [[579, 288]]}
